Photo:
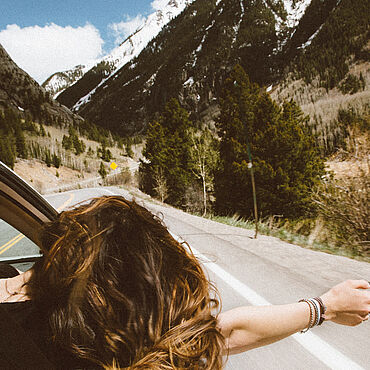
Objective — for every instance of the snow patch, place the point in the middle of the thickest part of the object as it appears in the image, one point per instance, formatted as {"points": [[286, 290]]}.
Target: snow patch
{"points": [[151, 80], [128, 82], [308, 42], [237, 26], [189, 81], [199, 48], [295, 11], [211, 25]]}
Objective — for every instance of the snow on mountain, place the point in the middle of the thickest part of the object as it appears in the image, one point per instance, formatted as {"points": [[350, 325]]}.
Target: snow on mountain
{"points": [[133, 45], [59, 81], [295, 10], [130, 48]]}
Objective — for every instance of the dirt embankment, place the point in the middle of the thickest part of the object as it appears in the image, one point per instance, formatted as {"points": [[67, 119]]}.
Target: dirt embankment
{"points": [[41, 177], [50, 179]]}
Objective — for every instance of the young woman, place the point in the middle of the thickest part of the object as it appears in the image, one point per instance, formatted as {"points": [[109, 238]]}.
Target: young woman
{"points": [[115, 290]]}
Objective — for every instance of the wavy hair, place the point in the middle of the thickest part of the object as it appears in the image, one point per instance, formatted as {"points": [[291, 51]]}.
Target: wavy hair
{"points": [[120, 292]]}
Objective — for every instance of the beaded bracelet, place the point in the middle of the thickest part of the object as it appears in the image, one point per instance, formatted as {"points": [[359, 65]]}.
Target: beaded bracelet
{"points": [[312, 316]]}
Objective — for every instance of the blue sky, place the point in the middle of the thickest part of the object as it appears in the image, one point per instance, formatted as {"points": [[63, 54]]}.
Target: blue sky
{"points": [[46, 36]]}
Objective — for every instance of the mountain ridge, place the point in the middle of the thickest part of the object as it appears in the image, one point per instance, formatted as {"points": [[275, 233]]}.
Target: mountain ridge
{"points": [[119, 56]]}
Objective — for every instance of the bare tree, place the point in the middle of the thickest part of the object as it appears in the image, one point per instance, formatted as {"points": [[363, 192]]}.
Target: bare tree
{"points": [[161, 184], [204, 158]]}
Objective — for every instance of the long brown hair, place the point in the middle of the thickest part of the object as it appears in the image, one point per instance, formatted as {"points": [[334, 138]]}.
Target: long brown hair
{"points": [[119, 291]]}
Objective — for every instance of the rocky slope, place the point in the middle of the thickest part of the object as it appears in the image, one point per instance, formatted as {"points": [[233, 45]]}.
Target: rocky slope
{"points": [[19, 92]]}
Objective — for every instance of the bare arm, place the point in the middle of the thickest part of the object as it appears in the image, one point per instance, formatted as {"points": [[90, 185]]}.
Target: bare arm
{"points": [[248, 327]]}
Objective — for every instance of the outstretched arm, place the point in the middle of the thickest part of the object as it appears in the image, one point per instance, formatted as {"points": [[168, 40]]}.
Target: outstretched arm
{"points": [[245, 328]]}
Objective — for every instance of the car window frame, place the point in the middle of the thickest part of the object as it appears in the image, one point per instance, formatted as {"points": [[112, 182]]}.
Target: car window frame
{"points": [[22, 207]]}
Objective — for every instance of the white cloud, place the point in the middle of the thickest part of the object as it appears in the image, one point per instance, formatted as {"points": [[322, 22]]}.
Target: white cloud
{"points": [[42, 51], [126, 28]]}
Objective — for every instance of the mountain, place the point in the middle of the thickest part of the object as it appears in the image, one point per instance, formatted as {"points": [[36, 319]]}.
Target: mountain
{"points": [[310, 40], [97, 73], [59, 81], [22, 94]]}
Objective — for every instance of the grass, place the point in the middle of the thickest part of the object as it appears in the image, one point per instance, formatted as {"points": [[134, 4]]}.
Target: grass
{"points": [[282, 233]]}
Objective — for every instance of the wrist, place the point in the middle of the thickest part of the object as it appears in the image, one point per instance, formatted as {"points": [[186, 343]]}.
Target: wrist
{"points": [[330, 309]]}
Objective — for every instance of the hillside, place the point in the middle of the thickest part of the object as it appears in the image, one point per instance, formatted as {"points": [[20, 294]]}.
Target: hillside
{"points": [[20, 93], [276, 42], [75, 171], [48, 144]]}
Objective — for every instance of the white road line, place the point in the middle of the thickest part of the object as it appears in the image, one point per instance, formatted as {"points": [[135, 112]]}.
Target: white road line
{"points": [[322, 350]]}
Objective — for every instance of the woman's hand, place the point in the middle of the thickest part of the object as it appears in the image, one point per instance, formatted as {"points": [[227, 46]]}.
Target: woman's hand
{"points": [[348, 303]]}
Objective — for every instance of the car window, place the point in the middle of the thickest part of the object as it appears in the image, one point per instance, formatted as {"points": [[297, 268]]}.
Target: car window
{"points": [[14, 245]]}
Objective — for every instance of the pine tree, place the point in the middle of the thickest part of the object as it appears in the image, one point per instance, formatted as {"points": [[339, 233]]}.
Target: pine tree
{"points": [[90, 152], [42, 130], [20, 142], [102, 171], [129, 151], [47, 157], [167, 153], [56, 160], [7, 151], [286, 162], [66, 142], [155, 159], [104, 153], [235, 125]]}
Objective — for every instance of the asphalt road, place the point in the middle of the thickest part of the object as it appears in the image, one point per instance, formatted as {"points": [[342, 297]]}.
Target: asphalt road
{"points": [[254, 271]]}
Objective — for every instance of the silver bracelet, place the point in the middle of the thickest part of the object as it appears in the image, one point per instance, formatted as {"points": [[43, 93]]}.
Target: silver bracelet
{"points": [[317, 310]]}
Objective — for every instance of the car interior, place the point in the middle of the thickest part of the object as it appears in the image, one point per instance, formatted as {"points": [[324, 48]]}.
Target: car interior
{"points": [[25, 210]]}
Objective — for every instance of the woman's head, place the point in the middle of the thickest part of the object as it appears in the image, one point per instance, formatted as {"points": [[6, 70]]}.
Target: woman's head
{"points": [[120, 289]]}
